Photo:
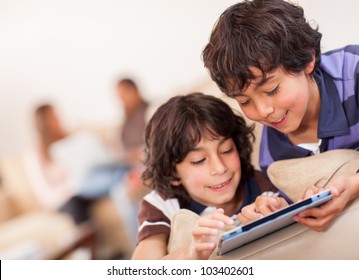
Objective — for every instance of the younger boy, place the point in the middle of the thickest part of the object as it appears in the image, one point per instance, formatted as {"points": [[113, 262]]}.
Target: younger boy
{"points": [[198, 158]]}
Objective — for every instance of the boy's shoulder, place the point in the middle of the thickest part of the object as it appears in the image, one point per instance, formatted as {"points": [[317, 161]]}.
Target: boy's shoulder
{"points": [[341, 63], [158, 198], [350, 49], [154, 200]]}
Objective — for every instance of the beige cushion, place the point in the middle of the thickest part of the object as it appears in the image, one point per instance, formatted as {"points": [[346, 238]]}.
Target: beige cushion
{"points": [[181, 229], [6, 209], [35, 235], [16, 185], [293, 176]]}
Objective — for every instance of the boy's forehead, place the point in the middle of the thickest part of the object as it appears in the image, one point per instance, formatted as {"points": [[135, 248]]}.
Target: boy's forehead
{"points": [[208, 137]]}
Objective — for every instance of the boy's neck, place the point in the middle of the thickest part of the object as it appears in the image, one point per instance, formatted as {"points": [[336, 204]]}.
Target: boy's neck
{"points": [[232, 207], [308, 129]]}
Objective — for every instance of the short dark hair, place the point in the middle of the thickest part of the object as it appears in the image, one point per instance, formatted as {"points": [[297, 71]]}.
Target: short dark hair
{"points": [[178, 126], [264, 34], [128, 82]]}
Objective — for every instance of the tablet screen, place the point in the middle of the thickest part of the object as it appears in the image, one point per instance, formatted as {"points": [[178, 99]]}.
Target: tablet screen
{"points": [[244, 234]]}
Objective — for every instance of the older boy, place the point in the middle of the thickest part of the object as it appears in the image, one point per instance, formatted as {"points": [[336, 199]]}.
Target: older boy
{"points": [[265, 54]]}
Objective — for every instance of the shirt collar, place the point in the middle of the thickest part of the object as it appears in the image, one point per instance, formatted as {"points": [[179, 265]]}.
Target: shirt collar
{"points": [[332, 119]]}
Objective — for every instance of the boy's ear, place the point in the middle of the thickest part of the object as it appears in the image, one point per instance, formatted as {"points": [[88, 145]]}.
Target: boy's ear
{"points": [[310, 67], [175, 183]]}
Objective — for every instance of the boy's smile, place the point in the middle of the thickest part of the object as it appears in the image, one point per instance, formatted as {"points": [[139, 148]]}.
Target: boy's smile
{"points": [[211, 173], [221, 187], [281, 122]]}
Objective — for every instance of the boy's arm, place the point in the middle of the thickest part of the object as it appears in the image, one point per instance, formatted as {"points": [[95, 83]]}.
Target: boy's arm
{"points": [[153, 247]]}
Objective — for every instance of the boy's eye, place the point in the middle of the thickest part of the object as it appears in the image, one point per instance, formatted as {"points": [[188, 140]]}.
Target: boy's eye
{"points": [[197, 162], [274, 91], [228, 151], [244, 103]]}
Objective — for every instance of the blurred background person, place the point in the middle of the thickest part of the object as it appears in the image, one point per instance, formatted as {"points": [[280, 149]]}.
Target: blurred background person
{"points": [[135, 110], [131, 139], [68, 171], [131, 133]]}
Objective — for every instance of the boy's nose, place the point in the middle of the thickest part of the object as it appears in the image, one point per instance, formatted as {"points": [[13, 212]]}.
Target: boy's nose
{"points": [[264, 109], [218, 167]]}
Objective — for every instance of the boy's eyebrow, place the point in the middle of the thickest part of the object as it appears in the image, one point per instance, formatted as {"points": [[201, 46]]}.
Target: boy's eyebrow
{"points": [[258, 84], [264, 80], [196, 149]]}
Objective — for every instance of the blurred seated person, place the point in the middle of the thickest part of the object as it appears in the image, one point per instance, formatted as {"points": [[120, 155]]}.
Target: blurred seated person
{"points": [[132, 133], [130, 139], [68, 171]]}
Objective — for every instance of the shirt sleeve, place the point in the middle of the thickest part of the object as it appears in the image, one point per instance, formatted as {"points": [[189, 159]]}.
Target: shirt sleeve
{"points": [[151, 221]]}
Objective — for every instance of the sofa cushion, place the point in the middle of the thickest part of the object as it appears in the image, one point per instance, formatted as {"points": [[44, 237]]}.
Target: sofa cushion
{"points": [[16, 185], [35, 235], [6, 209], [293, 176]]}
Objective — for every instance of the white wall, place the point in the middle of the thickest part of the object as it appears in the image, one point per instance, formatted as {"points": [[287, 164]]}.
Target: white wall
{"points": [[72, 51]]}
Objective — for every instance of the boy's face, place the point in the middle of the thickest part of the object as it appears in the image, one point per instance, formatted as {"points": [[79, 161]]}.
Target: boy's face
{"points": [[211, 172], [281, 101]]}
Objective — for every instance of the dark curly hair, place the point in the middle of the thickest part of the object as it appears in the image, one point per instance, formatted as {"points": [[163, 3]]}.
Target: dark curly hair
{"points": [[178, 126], [264, 34]]}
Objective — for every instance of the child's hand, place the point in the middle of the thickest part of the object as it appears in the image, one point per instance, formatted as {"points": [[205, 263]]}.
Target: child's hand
{"points": [[263, 206], [310, 191], [319, 218], [205, 234]]}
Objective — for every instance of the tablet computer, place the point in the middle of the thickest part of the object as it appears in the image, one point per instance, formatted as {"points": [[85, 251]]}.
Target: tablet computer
{"points": [[242, 235]]}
